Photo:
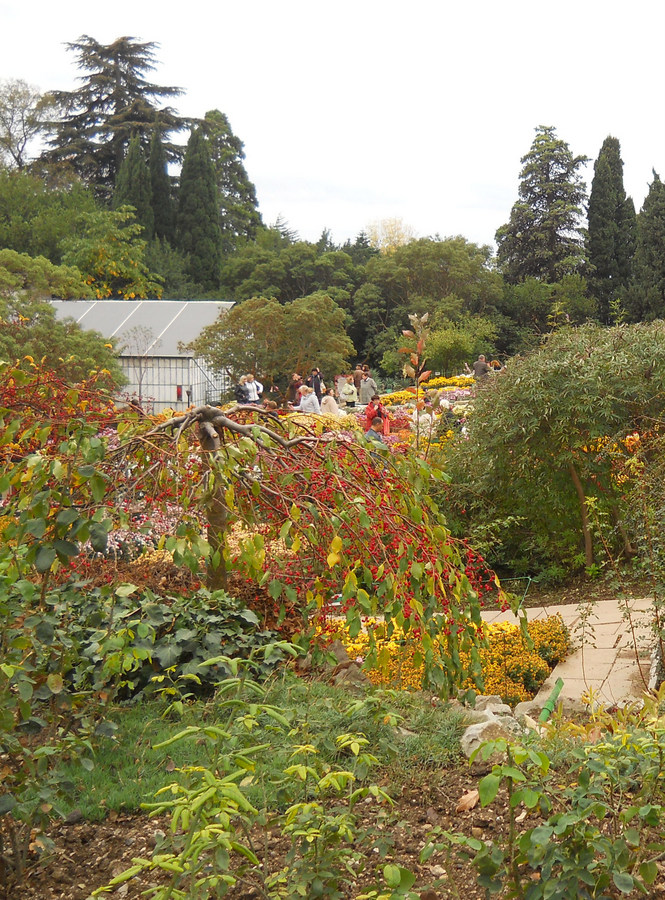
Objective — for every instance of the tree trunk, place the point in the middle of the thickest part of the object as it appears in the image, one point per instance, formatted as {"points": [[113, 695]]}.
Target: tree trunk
{"points": [[628, 548], [217, 516], [586, 531]]}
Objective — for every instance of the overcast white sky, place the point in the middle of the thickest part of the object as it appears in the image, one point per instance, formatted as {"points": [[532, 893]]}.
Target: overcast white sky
{"points": [[359, 110]]}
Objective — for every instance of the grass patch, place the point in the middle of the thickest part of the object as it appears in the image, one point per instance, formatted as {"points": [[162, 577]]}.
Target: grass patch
{"points": [[404, 732]]}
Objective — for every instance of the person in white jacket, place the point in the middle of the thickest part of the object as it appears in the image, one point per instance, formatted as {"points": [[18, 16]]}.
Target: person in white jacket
{"points": [[254, 389], [309, 402]]}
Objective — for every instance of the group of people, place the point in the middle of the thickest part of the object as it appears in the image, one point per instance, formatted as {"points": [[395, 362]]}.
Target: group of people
{"points": [[310, 394], [248, 390]]}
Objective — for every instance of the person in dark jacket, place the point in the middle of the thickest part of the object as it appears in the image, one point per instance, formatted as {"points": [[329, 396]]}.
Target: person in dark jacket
{"points": [[293, 390], [240, 390], [315, 381]]}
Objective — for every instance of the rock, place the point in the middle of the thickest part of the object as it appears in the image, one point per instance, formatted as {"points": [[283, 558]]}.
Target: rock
{"points": [[511, 724], [477, 734], [531, 708], [74, 817], [483, 701], [350, 674], [338, 650], [530, 723], [474, 716], [437, 871]]}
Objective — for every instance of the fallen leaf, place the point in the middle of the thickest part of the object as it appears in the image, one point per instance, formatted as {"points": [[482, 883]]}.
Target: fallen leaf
{"points": [[468, 801]]}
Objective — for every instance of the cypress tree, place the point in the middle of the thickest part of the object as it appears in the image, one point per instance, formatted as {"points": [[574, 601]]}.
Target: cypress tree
{"points": [[197, 227], [646, 297], [238, 212], [133, 187], [611, 233], [544, 237], [162, 196]]}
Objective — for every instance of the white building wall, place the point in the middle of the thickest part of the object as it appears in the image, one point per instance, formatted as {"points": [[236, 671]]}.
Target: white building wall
{"points": [[160, 383]]}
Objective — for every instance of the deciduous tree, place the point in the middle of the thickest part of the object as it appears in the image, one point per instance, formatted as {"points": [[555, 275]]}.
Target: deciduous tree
{"points": [[273, 340], [29, 328], [547, 435], [24, 113], [35, 218], [110, 253]]}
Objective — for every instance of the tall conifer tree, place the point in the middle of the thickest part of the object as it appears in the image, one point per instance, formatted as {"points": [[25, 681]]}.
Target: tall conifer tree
{"points": [[197, 232], [133, 188], [114, 102], [162, 195], [646, 297], [611, 233], [544, 238], [238, 212]]}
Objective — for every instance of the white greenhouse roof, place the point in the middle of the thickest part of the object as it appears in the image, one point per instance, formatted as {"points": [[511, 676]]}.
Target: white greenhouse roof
{"points": [[144, 327]]}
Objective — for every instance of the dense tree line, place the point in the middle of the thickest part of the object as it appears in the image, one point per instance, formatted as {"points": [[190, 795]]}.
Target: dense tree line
{"points": [[140, 214]]}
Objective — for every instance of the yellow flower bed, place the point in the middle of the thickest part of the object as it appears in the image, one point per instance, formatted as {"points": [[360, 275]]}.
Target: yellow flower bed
{"points": [[509, 668], [457, 381], [399, 398]]}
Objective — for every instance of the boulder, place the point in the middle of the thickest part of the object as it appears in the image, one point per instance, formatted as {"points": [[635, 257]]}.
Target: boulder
{"points": [[477, 734]]}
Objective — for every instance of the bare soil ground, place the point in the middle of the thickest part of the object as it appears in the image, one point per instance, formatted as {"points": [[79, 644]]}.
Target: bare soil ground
{"points": [[88, 855]]}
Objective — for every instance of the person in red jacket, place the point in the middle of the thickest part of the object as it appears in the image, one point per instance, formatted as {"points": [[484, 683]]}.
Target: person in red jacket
{"points": [[375, 409]]}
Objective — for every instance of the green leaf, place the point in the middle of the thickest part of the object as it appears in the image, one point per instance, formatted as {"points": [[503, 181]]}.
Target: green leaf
{"points": [[45, 558], [36, 527], [55, 683], [648, 872], [167, 655], [623, 881], [275, 588], [98, 487], [391, 873], [99, 536], [45, 632], [66, 548], [67, 516], [488, 788], [7, 803]]}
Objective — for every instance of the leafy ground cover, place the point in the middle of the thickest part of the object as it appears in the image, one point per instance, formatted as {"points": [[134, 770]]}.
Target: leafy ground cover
{"points": [[582, 804]]}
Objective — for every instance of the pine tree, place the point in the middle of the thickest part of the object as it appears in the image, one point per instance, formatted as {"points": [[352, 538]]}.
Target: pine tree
{"points": [[162, 194], [544, 238], [197, 232], [646, 297], [611, 233], [238, 213], [133, 188], [113, 103]]}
